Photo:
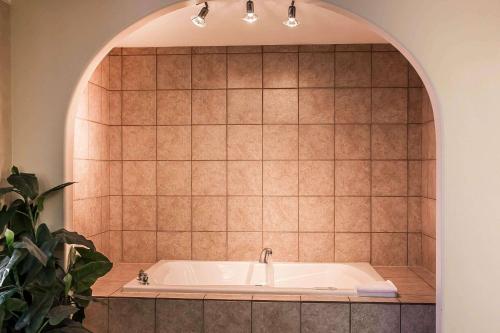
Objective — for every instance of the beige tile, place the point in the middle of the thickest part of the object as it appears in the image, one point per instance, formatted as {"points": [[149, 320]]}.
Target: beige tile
{"points": [[353, 105], [389, 214], [352, 247], [285, 245], [383, 47], [368, 317], [139, 72], [414, 141], [429, 217], [105, 107], [139, 142], [209, 213], [280, 214], [116, 177], [429, 253], [115, 143], [209, 246], [139, 212], [316, 214], [389, 249], [244, 49], [389, 178], [209, 49], [352, 178], [414, 79], [139, 108], [244, 70], [316, 106], [174, 107], [389, 105], [414, 178], [244, 245], [244, 178], [115, 212], [353, 47], [325, 316], [317, 48], [280, 106], [352, 69], [174, 71], [316, 247], [352, 214], [280, 178], [173, 50], [244, 213], [209, 71], [115, 73], [174, 213], [418, 318], [428, 141], [96, 315], [280, 70], [280, 48], [227, 316], [209, 178], [244, 142], [280, 142], [174, 178], [352, 142], [115, 107], [414, 214], [244, 106], [414, 249], [389, 142], [209, 142], [209, 106], [390, 69], [131, 315], [415, 105], [174, 143], [316, 142], [316, 69], [276, 317], [316, 178], [139, 178], [94, 102], [133, 240], [138, 50], [174, 315]]}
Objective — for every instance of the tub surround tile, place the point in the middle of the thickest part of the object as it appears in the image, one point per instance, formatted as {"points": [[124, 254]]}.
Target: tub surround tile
{"points": [[275, 298], [285, 245], [316, 106], [352, 142], [390, 69], [139, 246], [244, 106], [244, 178], [275, 316], [139, 213], [325, 317], [209, 213], [244, 213], [209, 106], [174, 213], [209, 71], [179, 316], [105, 289], [389, 214], [352, 178], [139, 72], [388, 272], [131, 315], [425, 274], [139, 177], [280, 214], [244, 49], [244, 70], [209, 178], [139, 143], [352, 214], [316, 214], [244, 245], [352, 69], [316, 247], [353, 105], [174, 71], [280, 178], [316, 142], [389, 142], [280, 70], [280, 142], [227, 316], [352, 247], [389, 178], [173, 107], [316, 69], [96, 316], [209, 245], [138, 108], [209, 142], [174, 143], [418, 299], [374, 300], [184, 296], [173, 178], [389, 249], [389, 105], [244, 142], [173, 245], [375, 318], [418, 318], [228, 297], [138, 50], [413, 286], [316, 178], [280, 106], [209, 49]]}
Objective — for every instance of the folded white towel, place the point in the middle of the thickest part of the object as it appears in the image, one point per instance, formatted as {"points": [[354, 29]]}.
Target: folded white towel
{"points": [[377, 289]]}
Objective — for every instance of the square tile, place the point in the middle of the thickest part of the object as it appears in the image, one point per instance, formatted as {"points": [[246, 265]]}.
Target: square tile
{"points": [[209, 246], [209, 213], [414, 141], [174, 143], [209, 106], [173, 107], [280, 142], [418, 318], [96, 316], [139, 72], [115, 143], [244, 213], [115, 178], [139, 108], [390, 69], [316, 247], [389, 214], [414, 249], [415, 178], [316, 142], [280, 106], [209, 178], [133, 315], [352, 142], [429, 253], [389, 142], [209, 49], [280, 70], [244, 245], [325, 317], [352, 178], [174, 178], [244, 178], [352, 247], [174, 316], [316, 178], [209, 71], [414, 214], [375, 317], [316, 106], [139, 178], [429, 217], [389, 178], [115, 212], [244, 70], [281, 214], [139, 142], [115, 107], [209, 142], [285, 245], [174, 71], [415, 105], [174, 213], [316, 214], [352, 214], [389, 249], [244, 106], [280, 48], [139, 212], [115, 73], [353, 105], [275, 317], [316, 69], [244, 142], [352, 69], [244, 49], [133, 240], [390, 105], [227, 316], [280, 178]]}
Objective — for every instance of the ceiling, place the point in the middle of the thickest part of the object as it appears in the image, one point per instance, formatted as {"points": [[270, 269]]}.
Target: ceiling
{"points": [[318, 25]]}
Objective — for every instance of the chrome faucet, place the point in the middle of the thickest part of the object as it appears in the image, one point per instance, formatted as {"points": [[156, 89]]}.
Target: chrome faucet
{"points": [[265, 255], [143, 277]]}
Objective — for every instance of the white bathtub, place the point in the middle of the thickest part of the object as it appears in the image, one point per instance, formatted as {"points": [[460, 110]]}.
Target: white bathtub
{"points": [[255, 278]]}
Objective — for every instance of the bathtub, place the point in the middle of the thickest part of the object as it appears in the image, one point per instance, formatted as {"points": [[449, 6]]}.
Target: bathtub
{"points": [[252, 277]]}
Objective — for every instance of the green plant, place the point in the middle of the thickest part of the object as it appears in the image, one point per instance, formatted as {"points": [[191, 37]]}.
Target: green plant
{"points": [[39, 292]]}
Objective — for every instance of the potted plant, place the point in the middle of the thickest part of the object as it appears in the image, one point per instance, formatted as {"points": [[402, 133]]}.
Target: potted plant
{"points": [[41, 288]]}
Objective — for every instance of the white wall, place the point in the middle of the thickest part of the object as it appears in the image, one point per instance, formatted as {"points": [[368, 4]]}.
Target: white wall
{"points": [[5, 133], [456, 44]]}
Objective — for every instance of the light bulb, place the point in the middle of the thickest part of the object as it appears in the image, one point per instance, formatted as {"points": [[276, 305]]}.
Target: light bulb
{"points": [[250, 17], [199, 20], [291, 22]]}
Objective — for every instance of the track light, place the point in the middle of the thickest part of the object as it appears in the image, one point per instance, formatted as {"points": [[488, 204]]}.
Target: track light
{"points": [[199, 20], [292, 21], [250, 17]]}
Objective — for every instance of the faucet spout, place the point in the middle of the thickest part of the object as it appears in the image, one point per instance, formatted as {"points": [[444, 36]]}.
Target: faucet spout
{"points": [[265, 255]]}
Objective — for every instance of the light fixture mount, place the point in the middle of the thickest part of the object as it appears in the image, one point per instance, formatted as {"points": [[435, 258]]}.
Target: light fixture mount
{"points": [[250, 17], [199, 20], [292, 22]]}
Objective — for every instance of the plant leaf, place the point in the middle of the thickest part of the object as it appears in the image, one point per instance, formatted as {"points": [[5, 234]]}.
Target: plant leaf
{"points": [[68, 278], [5, 295], [58, 313], [15, 304], [8, 262], [86, 275], [54, 189], [71, 237], [33, 249], [14, 170], [43, 234], [69, 326], [32, 319], [25, 183], [5, 190]]}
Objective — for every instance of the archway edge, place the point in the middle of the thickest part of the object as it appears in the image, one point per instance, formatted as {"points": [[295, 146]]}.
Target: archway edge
{"points": [[453, 41]]}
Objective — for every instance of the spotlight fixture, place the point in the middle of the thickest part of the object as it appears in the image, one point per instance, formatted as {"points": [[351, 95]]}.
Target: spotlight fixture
{"points": [[292, 21], [199, 20], [250, 17]]}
